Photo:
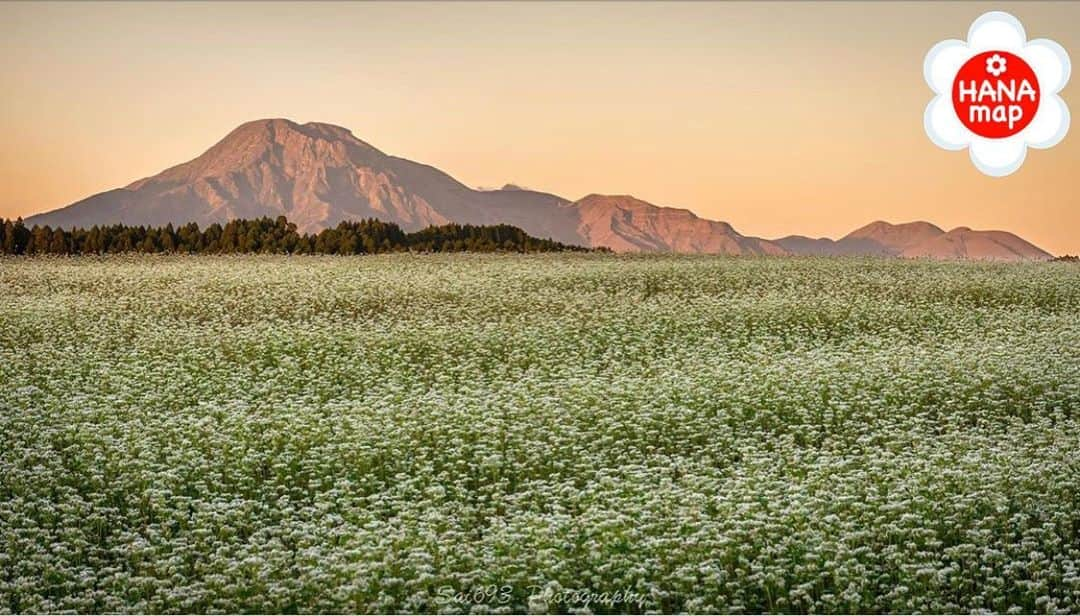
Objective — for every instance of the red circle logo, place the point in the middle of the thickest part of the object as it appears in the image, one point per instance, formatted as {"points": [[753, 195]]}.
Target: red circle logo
{"points": [[995, 94]]}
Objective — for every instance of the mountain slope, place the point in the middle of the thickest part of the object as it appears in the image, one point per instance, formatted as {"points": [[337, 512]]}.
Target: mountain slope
{"points": [[964, 243], [315, 174], [917, 239], [320, 174], [888, 238], [822, 246], [626, 224]]}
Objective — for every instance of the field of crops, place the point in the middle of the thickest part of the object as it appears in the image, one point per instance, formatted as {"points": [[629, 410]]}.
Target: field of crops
{"points": [[538, 433]]}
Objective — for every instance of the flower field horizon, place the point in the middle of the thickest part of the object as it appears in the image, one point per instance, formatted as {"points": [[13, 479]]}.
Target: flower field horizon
{"points": [[540, 433]]}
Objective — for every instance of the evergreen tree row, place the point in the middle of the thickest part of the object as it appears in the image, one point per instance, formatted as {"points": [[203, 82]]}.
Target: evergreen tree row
{"points": [[268, 235]]}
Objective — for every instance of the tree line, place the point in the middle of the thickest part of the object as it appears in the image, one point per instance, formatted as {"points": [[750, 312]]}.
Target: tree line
{"points": [[268, 235]]}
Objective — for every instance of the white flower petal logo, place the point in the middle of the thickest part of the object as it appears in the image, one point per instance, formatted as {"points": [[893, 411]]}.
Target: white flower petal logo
{"points": [[996, 94]]}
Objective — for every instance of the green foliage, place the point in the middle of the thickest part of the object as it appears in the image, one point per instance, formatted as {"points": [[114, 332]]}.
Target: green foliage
{"points": [[269, 235], [273, 434]]}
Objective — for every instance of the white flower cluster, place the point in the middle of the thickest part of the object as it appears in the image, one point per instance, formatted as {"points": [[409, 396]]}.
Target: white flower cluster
{"points": [[270, 434]]}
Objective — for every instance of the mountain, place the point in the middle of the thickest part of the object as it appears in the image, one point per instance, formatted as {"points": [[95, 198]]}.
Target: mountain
{"points": [[877, 238], [808, 246], [318, 175], [892, 239], [918, 240], [626, 224], [964, 243], [315, 174]]}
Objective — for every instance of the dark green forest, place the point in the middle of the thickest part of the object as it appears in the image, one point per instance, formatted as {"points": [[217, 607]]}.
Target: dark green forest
{"points": [[268, 235]]}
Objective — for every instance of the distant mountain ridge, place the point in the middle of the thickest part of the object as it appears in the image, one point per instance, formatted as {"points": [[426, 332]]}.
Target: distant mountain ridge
{"points": [[318, 175], [918, 239], [625, 224]]}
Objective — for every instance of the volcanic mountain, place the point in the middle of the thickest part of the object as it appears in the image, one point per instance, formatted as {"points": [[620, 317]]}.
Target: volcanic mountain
{"points": [[918, 239], [317, 175]]}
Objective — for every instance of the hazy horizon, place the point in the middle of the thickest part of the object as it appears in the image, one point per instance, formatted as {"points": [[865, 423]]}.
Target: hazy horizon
{"points": [[782, 118]]}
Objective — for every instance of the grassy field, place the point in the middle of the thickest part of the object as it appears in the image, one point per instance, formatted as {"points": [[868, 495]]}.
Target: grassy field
{"points": [[513, 433]]}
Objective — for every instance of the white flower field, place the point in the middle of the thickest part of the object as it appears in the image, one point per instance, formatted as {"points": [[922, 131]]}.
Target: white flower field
{"points": [[507, 433]]}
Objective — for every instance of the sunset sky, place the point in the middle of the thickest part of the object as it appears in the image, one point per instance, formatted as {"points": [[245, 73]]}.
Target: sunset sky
{"points": [[778, 118]]}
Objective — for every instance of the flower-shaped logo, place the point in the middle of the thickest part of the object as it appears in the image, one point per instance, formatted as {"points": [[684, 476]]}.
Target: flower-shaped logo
{"points": [[995, 65], [996, 94]]}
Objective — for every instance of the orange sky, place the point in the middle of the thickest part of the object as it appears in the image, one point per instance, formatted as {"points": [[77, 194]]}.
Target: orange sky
{"points": [[778, 118]]}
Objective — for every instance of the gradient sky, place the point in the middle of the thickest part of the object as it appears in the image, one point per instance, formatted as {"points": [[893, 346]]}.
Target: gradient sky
{"points": [[778, 118]]}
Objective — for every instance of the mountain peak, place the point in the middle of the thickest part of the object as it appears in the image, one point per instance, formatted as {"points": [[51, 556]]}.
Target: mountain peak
{"points": [[259, 146], [591, 197], [966, 243], [881, 227], [919, 239], [267, 123], [319, 174], [278, 129], [620, 201], [893, 239], [625, 223]]}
